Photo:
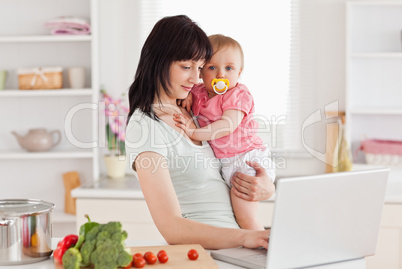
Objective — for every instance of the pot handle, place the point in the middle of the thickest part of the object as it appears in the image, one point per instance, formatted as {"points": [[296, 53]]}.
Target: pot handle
{"points": [[58, 137]]}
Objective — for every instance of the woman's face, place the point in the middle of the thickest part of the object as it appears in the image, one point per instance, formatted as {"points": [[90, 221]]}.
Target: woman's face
{"points": [[183, 76], [225, 64]]}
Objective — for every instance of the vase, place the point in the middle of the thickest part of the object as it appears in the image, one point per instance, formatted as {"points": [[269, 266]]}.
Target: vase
{"points": [[115, 166]]}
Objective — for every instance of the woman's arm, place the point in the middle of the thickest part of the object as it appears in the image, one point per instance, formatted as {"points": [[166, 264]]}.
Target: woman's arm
{"points": [[230, 120], [164, 207], [257, 188]]}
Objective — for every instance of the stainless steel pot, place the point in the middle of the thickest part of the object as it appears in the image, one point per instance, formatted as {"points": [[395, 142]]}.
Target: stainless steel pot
{"points": [[25, 231]]}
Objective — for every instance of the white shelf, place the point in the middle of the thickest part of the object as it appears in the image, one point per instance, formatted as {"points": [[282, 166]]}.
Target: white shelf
{"points": [[376, 111], [42, 93], [375, 3], [29, 44], [45, 38], [20, 155], [397, 55]]}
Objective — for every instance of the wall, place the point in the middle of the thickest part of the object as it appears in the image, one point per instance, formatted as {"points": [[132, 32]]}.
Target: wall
{"points": [[120, 46], [329, 58]]}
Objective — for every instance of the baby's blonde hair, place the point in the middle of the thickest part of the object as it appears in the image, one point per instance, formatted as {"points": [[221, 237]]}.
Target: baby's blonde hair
{"points": [[219, 41]]}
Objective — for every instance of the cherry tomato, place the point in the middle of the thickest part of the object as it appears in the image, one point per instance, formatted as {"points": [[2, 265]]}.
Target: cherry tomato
{"points": [[146, 254], [192, 254], [162, 256], [137, 256], [139, 263], [150, 258]]}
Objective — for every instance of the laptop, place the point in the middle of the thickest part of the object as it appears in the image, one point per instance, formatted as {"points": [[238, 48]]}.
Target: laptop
{"points": [[319, 220]]}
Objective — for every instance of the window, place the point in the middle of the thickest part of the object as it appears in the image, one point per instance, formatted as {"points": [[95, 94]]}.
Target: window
{"points": [[271, 51]]}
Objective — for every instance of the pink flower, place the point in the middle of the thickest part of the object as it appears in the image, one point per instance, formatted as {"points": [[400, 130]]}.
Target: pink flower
{"points": [[113, 113], [108, 100], [125, 109], [122, 136], [114, 126], [116, 114]]}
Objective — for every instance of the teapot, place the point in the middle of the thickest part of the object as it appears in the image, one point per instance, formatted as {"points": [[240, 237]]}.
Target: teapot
{"points": [[37, 140]]}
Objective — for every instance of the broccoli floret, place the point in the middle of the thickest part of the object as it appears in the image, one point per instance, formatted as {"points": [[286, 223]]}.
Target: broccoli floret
{"points": [[86, 250], [110, 254], [72, 259], [93, 233], [120, 236], [112, 227], [124, 258], [103, 235]]}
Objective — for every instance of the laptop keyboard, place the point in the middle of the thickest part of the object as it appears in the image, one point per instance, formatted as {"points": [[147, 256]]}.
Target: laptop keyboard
{"points": [[259, 258]]}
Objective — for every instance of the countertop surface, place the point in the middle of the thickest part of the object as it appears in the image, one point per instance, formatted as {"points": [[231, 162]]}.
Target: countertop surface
{"points": [[124, 188], [49, 263], [129, 188]]}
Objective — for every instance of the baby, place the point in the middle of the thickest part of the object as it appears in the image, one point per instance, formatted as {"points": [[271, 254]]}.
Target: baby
{"points": [[225, 114]]}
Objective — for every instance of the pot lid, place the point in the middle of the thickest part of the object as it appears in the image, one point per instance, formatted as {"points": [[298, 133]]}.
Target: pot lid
{"points": [[19, 207]]}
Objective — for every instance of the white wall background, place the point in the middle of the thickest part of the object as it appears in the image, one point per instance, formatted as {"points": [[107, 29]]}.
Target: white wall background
{"points": [[120, 47]]}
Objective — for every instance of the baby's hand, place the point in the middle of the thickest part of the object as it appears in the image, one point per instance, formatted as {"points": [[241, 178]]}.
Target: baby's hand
{"points": [[186, 103], [183, 124]]}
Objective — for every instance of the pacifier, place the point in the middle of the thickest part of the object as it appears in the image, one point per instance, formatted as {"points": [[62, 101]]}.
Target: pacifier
{"points": [[220, 86]]}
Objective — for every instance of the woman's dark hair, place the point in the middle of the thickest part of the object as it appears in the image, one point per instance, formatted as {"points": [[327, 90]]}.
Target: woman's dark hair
{"points": [[175, 38]]}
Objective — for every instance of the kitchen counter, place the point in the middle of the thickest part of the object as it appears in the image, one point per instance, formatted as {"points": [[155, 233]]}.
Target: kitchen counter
{"points": [[124, 188], [129, 188], [49, 263], [112, 195]]}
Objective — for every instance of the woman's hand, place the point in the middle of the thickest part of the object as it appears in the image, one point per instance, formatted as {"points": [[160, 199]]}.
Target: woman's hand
{"points": [[257, 188], [256, 239]]}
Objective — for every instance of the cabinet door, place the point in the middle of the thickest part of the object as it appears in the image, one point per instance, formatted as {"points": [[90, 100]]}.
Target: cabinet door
{"points": [[133, 214], [265, 212], [388, 250], [389, 245]]}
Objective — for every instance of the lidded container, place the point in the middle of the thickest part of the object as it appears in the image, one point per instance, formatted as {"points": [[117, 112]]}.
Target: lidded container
{"points": [[25, 231]]}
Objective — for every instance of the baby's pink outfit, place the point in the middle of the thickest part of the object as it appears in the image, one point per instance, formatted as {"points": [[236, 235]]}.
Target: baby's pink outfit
{"points": [[244, 143]]}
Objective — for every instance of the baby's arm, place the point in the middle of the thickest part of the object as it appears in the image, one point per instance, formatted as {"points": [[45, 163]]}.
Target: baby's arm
{"points": [[230, 120], [186, 103]]}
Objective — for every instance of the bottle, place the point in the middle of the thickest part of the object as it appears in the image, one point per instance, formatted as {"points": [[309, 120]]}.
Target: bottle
{"points": [[343, 152]]}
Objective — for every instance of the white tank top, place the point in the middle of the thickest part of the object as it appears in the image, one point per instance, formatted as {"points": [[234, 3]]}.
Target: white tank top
{"points": [[195, 171]]}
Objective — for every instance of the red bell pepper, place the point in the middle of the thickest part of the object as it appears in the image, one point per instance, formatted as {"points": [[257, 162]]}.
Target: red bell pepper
{"points": [[67, 242]]}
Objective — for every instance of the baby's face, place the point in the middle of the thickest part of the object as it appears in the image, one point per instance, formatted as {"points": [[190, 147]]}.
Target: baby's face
{"points": [[225, 64]]}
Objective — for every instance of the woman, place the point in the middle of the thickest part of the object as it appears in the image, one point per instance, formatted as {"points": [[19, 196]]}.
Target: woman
{"points": [[180, 179]]}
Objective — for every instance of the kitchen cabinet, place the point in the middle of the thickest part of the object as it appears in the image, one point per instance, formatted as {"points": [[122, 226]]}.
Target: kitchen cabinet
{"points": [[373, 79], [25, 42], [116, 200], [389, 246], [132, 213]]}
